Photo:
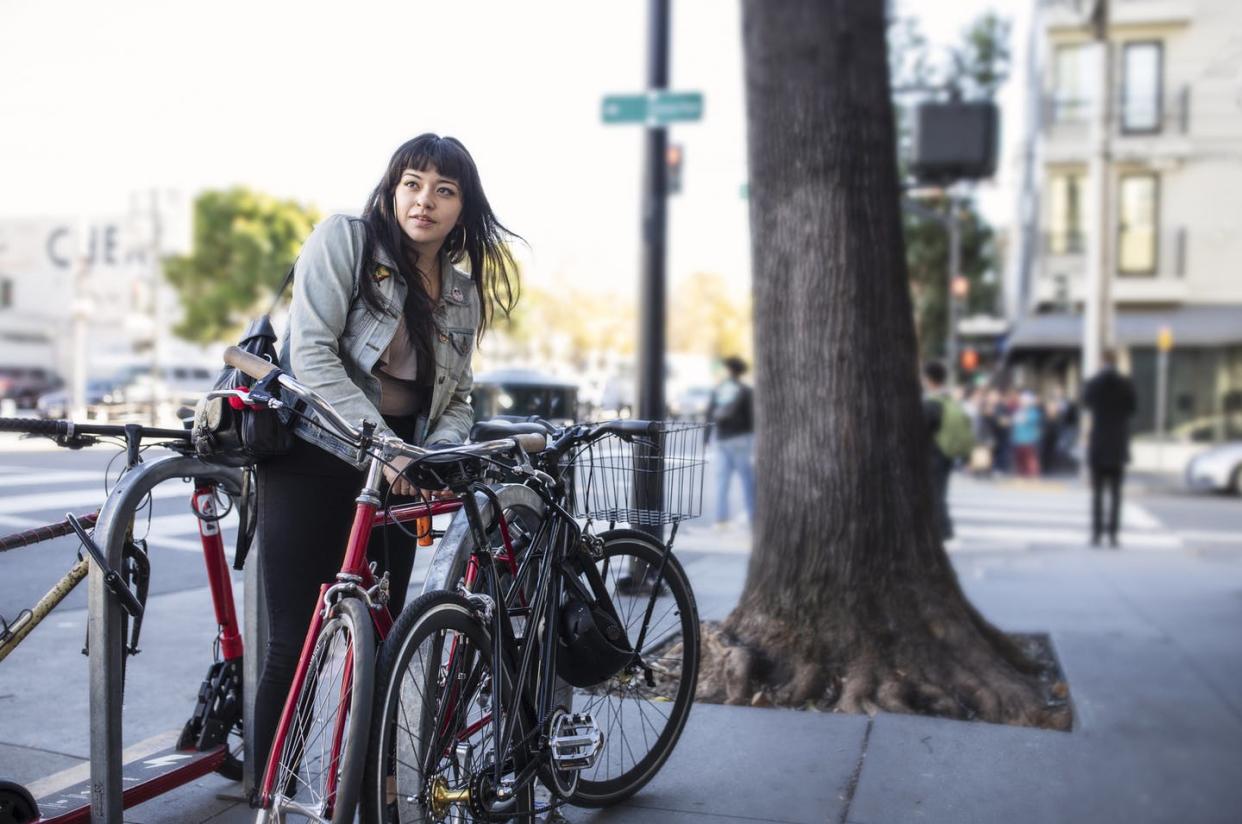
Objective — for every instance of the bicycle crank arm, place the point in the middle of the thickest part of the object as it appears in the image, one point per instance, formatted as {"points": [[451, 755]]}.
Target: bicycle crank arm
{"points": [[112, 579]]}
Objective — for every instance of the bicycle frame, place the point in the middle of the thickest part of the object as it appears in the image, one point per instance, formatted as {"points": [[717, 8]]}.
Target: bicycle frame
{"points": [[355, 579]]}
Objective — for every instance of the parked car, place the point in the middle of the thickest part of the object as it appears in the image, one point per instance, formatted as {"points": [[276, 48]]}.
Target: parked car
{"points": [[56, 404], [524, 392], [24, 384], [1218, 469], [178, 385]]}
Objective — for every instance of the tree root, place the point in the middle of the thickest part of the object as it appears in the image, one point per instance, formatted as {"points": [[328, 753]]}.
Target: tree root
{"points": [[971, 673]]}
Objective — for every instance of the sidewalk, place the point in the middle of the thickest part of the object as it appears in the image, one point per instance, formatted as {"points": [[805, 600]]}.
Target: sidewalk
{"points": [[1149, 641]]}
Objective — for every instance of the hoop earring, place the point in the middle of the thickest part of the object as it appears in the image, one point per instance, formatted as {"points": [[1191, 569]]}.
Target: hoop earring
{"points": [[461, 245]]}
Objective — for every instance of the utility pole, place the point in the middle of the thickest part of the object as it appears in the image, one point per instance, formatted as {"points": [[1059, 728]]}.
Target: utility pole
{"points": [[649, 491], [80, 309], [955, 269], [654, 225], [157, 270], [1098, 310]]}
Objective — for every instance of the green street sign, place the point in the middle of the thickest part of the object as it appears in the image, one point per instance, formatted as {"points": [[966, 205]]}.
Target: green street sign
{"points": [[625, 108], [676, 107], [654, 108]]}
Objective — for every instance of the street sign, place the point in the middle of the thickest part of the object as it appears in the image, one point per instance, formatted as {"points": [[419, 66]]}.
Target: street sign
{"points": [[676, 107], [625, 108], [658, 108]]}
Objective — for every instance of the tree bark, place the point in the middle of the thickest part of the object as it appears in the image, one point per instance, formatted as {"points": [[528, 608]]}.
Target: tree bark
{"points": [[850, 600]]}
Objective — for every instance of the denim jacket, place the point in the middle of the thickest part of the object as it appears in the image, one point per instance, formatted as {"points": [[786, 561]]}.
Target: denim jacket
{"points": [[333, 339]]}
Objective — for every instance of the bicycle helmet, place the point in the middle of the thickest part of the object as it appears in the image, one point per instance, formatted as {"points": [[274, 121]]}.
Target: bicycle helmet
{"points": [[593, 643]]}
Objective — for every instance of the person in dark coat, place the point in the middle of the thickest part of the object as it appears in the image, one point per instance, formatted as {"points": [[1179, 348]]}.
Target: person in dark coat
{"points": [[1110, 399]]}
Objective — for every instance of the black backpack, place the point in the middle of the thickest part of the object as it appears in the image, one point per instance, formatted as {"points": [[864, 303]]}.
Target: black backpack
{"points": [[228, 433]]}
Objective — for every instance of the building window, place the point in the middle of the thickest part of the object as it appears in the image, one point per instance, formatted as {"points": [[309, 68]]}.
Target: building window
{"points": [[1137, 212], [6, 293], [1065, 227], [1070, 96], [1142, 87]]}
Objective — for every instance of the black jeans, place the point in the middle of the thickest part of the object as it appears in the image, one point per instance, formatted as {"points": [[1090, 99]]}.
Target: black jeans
{"points": [[1100, 479], [306, 508]]}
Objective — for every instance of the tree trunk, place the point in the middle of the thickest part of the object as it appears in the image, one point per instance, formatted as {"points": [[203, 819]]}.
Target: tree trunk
{"points": [[850, 600]]}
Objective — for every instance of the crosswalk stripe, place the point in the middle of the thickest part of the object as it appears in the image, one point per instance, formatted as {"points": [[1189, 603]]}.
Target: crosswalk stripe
{"points": [[1132, 516], [73, 499], [50, 478], [1058, 537]]}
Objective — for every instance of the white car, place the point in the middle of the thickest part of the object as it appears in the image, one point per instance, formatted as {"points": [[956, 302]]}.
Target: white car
{"points": [[1219, 469]]}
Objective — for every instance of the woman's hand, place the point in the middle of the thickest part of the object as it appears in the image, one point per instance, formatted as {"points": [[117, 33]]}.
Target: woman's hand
{"points": [[401, 485]]}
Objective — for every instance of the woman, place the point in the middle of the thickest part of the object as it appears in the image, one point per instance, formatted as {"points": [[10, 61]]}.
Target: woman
{"points": [[382, 325], [1026, 434]]}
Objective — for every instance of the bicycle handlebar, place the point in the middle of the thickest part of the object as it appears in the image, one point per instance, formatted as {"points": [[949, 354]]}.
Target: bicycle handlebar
{"points": [[69, 429], [258, 368]]}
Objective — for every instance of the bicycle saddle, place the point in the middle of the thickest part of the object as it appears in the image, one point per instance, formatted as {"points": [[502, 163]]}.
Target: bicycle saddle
{"points": [[494, 430]]}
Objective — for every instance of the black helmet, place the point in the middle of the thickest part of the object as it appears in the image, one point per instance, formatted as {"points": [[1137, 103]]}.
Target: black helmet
{"points": [[593, 644]]}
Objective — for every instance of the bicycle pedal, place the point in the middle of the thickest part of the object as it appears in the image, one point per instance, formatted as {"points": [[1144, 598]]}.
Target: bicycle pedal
{"points": [[576, 741]]}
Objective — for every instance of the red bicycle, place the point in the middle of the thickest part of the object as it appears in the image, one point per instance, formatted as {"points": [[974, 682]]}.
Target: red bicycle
{"points": [[316, 763]]}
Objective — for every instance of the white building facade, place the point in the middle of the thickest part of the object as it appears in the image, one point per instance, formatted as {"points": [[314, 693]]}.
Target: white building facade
{"points": [[1173, 178]]}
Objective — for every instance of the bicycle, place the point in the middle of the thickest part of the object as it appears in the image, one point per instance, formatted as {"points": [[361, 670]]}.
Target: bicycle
{"points": [[473, 708], [212, 735], [320, 742], [507, 541]]}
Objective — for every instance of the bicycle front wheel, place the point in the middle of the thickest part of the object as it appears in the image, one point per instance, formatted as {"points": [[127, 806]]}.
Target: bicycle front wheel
{"points": [[321, 762], [432, 755], [643, 708]]}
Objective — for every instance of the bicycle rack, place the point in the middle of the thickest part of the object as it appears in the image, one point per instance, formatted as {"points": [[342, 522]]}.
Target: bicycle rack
{"points": [[104, 622]]}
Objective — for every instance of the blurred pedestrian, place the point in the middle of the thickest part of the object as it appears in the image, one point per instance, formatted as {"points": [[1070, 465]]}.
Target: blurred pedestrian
{"points": [[1026, 436], [1110, 399], [731, 410], [949, 440], [1050, 434], [1000, 425]]}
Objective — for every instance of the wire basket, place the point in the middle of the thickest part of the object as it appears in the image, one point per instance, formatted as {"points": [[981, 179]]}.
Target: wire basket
{"points": [[647, 480]]}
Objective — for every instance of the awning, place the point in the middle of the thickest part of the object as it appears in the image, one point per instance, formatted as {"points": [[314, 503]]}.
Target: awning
{"points": [[1191, 325]]}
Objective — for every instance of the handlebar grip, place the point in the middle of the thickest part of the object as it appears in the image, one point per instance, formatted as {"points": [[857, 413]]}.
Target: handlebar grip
{"points": [[253, 365], [33, 426], [532, 442]]}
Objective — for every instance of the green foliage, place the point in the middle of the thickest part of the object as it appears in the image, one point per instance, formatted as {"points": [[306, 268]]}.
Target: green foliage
{"points": [[927, 258], [981, 62], [244, 243]]}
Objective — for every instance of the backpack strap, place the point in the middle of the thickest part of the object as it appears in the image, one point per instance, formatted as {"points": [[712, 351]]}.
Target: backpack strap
{"points": [[284, 284]]}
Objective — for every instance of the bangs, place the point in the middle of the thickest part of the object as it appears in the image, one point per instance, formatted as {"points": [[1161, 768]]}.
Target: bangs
{"points": [[426, 151]]}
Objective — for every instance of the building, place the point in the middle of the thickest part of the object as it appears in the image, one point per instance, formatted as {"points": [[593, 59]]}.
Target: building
{"points": [[84, 290], [1174, 178]]}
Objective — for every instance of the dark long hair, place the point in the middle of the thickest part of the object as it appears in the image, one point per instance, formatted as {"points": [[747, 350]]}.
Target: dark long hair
{"points": [[480, 239]]}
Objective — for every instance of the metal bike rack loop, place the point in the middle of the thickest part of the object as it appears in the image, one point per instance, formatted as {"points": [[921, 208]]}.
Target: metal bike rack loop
{"points": [[104, 620]]}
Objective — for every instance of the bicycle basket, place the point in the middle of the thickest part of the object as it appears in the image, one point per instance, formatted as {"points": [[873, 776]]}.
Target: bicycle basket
{"points": [[645, 481]]}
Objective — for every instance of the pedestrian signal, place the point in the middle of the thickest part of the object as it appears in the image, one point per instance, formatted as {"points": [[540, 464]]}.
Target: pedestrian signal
{"points": [[970, 360], [674, 156]]}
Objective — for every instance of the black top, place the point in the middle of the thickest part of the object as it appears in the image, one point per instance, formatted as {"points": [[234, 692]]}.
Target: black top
{"points": [[731, 409], [1110, 397]]}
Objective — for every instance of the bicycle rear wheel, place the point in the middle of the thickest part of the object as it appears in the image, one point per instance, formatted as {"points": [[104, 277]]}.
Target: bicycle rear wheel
{"points": [[321, 762], [642, 709], [432, 740]]}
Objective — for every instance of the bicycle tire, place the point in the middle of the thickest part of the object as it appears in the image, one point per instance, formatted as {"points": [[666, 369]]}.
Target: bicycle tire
{"points": [[344, 653], [675, 613], [394, 787]]}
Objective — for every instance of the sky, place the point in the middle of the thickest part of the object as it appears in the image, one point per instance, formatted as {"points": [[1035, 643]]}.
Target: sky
{"points": [[308, 100]]}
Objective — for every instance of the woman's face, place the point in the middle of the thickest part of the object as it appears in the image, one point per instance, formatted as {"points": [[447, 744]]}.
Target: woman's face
{"points": [[428, 207]]}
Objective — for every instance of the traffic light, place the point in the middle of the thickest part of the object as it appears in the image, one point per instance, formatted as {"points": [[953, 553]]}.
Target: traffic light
{"points": [[970, 360], [674, 156]]}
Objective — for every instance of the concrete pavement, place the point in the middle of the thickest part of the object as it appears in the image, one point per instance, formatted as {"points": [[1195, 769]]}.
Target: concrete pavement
{"points": [[1147, 636]]}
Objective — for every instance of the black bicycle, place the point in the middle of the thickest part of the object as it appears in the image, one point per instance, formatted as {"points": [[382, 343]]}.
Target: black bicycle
{"points": [[555, 654]]}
